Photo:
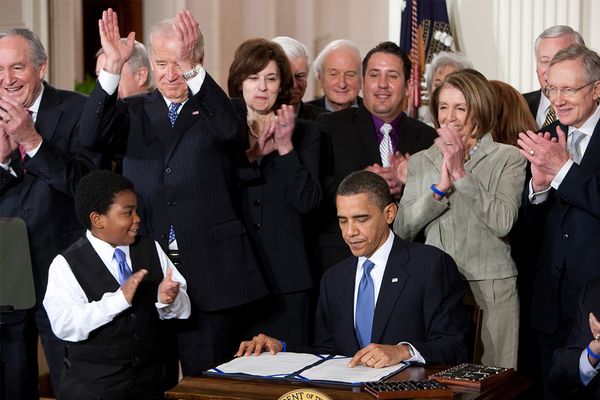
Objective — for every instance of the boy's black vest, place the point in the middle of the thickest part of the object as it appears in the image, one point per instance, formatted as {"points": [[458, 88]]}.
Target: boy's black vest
{"points": [[130, 342]]}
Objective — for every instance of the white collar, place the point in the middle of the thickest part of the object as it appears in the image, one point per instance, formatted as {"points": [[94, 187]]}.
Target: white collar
{"points": [[381, 255], [589, 125]]}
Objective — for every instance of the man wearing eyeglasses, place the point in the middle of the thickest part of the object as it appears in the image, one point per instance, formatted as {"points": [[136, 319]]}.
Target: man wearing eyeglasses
{"points": [[564, 197]]}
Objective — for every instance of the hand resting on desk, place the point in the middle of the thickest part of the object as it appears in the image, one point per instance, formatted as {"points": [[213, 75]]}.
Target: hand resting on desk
{"points": [[258, 344], [374, 355]]}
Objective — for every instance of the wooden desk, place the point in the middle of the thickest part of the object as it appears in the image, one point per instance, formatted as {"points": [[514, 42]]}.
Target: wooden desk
{"points": [[225, 388]]}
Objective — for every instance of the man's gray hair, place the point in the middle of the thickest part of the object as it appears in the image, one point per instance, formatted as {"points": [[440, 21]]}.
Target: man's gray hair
{"points": [[558, 31], [443, 58], [331, 46], [138, 59], [37, 52], [292, 48], [167, 27], [589, 59]]}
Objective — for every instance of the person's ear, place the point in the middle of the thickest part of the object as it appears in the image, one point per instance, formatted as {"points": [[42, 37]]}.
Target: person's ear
{"points": [[390, 212], [96, 220]]}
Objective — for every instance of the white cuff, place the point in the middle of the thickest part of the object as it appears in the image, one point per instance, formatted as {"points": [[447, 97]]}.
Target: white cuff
{"points": [[586, 371], [109, 82], [196, 82], [561, 174], [417, 356], [537, 197]]}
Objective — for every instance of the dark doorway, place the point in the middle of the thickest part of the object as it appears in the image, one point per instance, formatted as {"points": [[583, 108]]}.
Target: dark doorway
{"points": [[130, 19]]}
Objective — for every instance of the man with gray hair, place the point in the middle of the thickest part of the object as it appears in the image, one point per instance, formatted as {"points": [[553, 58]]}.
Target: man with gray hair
{"points": [[547, 44], [300, 63], [41, 163], [338, 69], [562, 210], [136, 76], [179, 143]]}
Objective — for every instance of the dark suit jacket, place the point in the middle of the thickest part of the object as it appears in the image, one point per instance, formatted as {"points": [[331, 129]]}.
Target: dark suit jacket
{"points": [[320, 102], [420, 302], [184, 176], [43, 196], [569, 225], [309, 111], [277, 192], [348, 144], [533, 101], [564, 376]]}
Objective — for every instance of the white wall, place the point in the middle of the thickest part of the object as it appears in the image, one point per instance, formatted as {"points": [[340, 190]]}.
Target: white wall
{"points": [[498, 35]]}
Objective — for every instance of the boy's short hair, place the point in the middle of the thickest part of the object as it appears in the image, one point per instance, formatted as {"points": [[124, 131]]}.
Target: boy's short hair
{"points": [[96, 192]]}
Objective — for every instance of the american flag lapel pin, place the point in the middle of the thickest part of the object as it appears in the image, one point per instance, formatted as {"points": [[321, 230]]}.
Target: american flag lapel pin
{"points": [[394, 280], [195, 112]]}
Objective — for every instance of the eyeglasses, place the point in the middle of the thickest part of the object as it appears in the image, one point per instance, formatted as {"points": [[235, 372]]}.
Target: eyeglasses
{"points": [[551, 91]]}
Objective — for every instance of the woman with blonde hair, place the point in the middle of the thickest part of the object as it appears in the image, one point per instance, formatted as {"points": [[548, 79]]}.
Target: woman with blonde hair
{"points": [[464, 192]]}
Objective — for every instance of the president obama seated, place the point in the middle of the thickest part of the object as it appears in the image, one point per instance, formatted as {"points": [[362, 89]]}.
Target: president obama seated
{"points": [[393, 300]]}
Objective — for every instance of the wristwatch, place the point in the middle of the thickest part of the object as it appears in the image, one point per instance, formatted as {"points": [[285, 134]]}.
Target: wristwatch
{"points": [[187, 75]]}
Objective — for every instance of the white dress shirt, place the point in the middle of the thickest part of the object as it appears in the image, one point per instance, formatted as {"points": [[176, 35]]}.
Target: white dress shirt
{"points": [[586, 371], [379, 258], [72, 317], [542, 110], [587, 129]]}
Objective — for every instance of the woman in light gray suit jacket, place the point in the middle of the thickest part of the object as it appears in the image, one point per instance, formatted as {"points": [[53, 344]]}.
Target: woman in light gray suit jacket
{"points": [[464, 192]]}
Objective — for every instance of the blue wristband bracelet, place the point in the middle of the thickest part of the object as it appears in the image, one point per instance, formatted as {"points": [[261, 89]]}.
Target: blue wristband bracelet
{"points": [[591, 353], [438, 191], [284, 346]]}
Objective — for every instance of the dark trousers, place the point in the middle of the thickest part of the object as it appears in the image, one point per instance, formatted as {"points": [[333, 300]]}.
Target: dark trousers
{"points": [[285, 317], [547, 345], [19, 340], [208, 339]]}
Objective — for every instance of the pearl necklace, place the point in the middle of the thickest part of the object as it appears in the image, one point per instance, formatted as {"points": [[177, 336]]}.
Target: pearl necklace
{"points": [[251, 129]]}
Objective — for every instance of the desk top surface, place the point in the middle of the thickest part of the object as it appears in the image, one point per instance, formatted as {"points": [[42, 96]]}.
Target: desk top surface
{"points": [[226, 388]]}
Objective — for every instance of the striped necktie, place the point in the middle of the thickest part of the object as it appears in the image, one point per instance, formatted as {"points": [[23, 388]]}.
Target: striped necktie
{"points": [[550, 117], [573, 142], [385, 147]]}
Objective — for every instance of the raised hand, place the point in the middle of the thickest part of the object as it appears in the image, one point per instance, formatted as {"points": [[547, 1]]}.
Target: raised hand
{"points": [[595, 343], [7, 146], [389, 175], [399, 164], [547, 156], [284, 128], [452, 146], [131, 284], [186, 34], [17, 124], [117, 53], [168, 289]]}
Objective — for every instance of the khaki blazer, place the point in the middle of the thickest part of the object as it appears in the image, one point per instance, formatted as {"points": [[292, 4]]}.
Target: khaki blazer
{"points": [[473, 221]]}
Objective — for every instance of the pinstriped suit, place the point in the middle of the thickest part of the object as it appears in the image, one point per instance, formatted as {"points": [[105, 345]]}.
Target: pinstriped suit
{"points": [[184, 176]]}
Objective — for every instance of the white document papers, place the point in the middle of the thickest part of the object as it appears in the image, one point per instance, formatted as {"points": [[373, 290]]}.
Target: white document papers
{"points": [[267, 365], [306, 367], [336, 370]]}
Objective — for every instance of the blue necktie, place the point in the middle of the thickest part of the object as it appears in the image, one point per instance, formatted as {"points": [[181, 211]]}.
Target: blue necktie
{"points": [[172, 118], [365, 305], [173, 112], [124, 270]]}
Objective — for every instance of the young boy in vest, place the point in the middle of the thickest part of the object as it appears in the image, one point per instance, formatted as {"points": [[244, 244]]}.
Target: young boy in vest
{"points": [[107, 294]]}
